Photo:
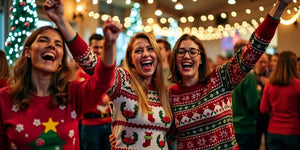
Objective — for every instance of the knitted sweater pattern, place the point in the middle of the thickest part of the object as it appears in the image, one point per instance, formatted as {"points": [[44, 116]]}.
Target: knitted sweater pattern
{"points": [[133, 129], [202, 112]]}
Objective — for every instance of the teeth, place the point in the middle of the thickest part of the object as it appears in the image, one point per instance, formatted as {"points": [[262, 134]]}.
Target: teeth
{"points": [[48, 54], [186, 63], [147, 62]]}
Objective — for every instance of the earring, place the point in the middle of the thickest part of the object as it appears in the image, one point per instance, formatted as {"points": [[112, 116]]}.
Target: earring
{"points": [[28, 57]]}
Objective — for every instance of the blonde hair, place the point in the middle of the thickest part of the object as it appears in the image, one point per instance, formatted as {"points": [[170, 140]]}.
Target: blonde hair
{"points": [[141, 90]]}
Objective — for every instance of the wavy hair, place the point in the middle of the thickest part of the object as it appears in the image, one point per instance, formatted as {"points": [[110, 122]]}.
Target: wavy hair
{"points": [[4, 67], [20, 84], [285, 70], [141, 90], [203, 69]]}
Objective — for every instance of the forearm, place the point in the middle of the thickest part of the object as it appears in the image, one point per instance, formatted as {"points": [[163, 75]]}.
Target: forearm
{"points": [[66, 29], [109, 54], [277, 10]]}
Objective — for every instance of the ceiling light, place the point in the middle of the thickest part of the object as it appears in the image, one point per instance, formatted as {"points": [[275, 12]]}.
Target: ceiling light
{"points": [[158, 12], [231, 2], [178, 6], [174, 0]]}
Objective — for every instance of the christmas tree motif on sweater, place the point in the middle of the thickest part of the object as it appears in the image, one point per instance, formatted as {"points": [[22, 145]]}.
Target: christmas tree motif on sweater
{"points": [[165, 119], [49, 138], [184, 120], [196, 117], [207, 112], [127, 113], [161, 143], [129, 140], [147, 138], [218, 109]]}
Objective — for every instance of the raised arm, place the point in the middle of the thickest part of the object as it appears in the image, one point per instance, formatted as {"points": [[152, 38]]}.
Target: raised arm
{"points": [[278, 9], [55, 11], [111, 30]]}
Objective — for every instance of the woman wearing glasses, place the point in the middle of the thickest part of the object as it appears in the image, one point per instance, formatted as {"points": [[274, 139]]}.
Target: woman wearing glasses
{"points": [[200, 100]]}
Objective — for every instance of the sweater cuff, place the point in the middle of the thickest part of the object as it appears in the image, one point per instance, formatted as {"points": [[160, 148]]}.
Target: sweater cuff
{"points": [[78, 47], [266, 29]]}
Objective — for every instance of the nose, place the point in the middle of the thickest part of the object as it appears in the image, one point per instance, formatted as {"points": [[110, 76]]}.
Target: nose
{"points": [[145, 53], [186, 54], [51, 45]]}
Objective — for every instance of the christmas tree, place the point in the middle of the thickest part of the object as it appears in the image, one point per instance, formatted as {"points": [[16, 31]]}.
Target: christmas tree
{"points": [[22, 21], [135, 20], [49, 138]]}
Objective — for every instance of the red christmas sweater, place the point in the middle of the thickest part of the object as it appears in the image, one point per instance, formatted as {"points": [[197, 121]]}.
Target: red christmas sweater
{"points": [[43, 126], [101, 108], [202, 112]]}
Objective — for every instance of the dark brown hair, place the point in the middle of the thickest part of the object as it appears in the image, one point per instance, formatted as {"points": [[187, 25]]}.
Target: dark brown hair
{"points": [[4, 67], [203, 69], [21, 84]]}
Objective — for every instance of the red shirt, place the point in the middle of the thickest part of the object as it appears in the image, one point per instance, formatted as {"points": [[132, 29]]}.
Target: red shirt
{"points": [[283, 103]]}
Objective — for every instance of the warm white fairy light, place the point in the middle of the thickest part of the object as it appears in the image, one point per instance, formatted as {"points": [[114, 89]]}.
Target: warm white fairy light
{"points": [[233, 14], [183, 19], [261, 8], [150, 1], [248, 11], [163, 20], [191, 19], [210, 17], [95, 2], [203, 18], [109, 1], [223, 15]]}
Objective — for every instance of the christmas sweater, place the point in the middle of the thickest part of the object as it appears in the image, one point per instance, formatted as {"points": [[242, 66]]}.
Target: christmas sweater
{"points": [[44, 126], [283, 103], [133, 129], [202, 112], [3, 83], [101, 109]]}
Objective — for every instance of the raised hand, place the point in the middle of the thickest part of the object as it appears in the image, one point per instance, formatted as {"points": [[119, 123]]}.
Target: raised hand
{"points": [[54, 10], [111, 30]]}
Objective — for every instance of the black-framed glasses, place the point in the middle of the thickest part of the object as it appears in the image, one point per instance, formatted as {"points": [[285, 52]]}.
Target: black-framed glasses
{"points": [[193, 52]]}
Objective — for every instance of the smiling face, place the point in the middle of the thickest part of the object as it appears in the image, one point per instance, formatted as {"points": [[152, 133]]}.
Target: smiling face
{"points": [[46, 52], [97, 46], [144, 58], [188, 66]]}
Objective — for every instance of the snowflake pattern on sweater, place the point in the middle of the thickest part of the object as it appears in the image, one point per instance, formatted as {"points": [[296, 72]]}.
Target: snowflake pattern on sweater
{"points": [[202, 112], [133, 129]]}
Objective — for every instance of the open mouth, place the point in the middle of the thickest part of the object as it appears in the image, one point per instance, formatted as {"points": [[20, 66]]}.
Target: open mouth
{"points": [[186, 65], [147, 65], [48, 56]]}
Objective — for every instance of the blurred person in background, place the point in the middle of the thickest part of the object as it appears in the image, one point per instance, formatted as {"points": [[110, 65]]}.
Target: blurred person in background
{"points": [[280, 99]]}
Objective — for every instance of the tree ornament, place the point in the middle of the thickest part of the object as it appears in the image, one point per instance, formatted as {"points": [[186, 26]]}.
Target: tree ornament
{"points": [[8, 43], [22, 3], [26, 24], [13, 28], [11, 8]]}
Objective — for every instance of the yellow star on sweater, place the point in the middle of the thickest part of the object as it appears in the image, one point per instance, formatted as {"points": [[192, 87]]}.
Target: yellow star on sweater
{"points": [[50, 125]]}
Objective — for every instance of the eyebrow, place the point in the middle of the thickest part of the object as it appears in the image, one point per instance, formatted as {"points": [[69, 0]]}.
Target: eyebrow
{"points": [[46, 37]]}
